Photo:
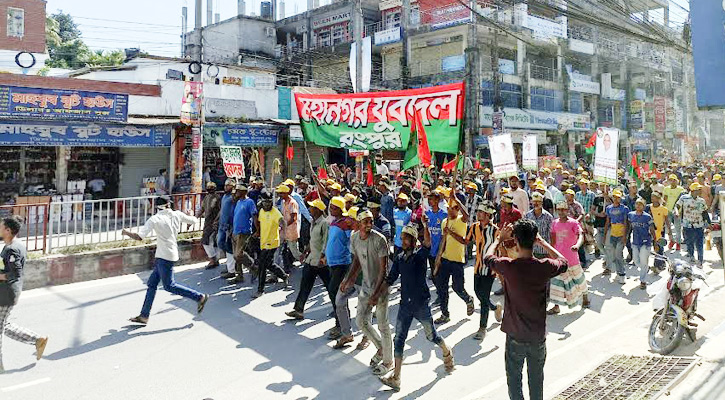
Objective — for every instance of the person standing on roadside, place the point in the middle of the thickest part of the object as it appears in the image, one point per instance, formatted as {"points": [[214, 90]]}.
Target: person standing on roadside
{"points": [[210, 207], [226, 225], [167, 225], [410, 266], [370, 257], [11, 275], [524, 321]]}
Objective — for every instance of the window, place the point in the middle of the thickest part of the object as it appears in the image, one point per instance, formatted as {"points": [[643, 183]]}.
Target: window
{"points": [[16, 22], [510, 93], [546, 99], [339, 34]]}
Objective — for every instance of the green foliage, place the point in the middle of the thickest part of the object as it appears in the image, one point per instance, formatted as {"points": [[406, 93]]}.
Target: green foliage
{"points": [[67, 49]]}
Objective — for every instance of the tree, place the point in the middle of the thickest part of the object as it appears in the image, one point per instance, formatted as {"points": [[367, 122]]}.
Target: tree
{"points": [[66, 48]]}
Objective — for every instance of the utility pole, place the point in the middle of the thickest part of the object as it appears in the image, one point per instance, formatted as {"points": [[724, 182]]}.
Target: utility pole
{"points": [[358, 27], [197, 150], [473, 82], [405, 55]]}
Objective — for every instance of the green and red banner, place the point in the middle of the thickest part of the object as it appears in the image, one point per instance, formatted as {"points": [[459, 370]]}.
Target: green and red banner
{"points": [[384, 120]]}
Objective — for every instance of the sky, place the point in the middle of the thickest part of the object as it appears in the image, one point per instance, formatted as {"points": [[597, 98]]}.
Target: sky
{"points": [[155, 25]]}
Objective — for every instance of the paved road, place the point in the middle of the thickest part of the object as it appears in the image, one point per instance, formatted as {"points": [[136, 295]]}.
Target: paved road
{"points": [[239, 349]]}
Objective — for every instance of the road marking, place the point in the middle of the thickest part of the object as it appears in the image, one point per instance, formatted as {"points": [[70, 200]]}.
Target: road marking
{"points": [[24, 385]]}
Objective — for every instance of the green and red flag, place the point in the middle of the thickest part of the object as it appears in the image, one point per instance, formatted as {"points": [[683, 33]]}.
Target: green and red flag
{"points": [[420, 152], [322, 169], [591, 145], [448, 166], [634, 169], [371, 171], [384, 120]]}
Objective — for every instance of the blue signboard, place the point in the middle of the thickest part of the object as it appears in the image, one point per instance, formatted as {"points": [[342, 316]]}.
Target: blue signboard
{"points": [[245, 135], [59, 104], [42, 133], [708, 50]]}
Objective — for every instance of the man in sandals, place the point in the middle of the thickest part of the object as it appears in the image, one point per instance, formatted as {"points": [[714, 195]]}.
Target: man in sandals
{"points": [[167, 225], [370, 255], [525, 319], [410, 265]]}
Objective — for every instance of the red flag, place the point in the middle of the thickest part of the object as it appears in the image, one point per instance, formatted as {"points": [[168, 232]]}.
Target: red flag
{"points": [[477, 163], [423, 149], [321, 170], [589, 148], [290, 153], [448, 167], [371, 178]]}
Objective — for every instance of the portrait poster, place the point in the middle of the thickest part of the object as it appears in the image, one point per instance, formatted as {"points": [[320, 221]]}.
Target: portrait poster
{"points": [[606, 157], [502, 156]]}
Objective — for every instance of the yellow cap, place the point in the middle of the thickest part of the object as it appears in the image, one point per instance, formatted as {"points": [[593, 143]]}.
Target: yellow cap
{"points": [[283, 188], [540, 187], [330, 181], [617, 193], [700, 174], [335, 186], [352, 212], [562, 206], [364, 214], [536, 196], [584, 181], [318, 204], [505, 190], [289, 182], [673, 176], [716, 177], [350, 197], [585, 173], [403, 196], [472, 185], [539, 182], [559, 166], [487, 170], [695, 186], [580, 169], [570, 191], [339, 202], [546, 170], [507, 198]]}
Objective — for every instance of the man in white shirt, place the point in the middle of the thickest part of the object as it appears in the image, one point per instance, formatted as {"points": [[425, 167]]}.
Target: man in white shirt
{"points": [[161, 186], [521, 198], [380, 167], [167, 225]]}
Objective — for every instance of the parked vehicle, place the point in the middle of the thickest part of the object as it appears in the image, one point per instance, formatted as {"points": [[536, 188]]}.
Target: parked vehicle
{"points": [[675, 304]]}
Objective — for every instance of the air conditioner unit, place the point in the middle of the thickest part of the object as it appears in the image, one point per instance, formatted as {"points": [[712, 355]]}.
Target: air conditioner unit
{"points": [[270, 31]]}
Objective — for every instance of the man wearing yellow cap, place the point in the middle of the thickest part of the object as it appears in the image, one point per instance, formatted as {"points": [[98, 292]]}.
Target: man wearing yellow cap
{"points": [[401, 217], [337, 253], [615, 228], [716, 187], [672, 193], [268, 226], [291, 214], [695, 218]]}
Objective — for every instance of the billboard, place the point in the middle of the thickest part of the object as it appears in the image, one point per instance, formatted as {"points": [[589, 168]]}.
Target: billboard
{"points": [[708, 50]]}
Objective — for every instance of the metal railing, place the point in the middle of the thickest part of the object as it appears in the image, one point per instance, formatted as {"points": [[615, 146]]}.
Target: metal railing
{"points": [[53, 226], [543, 73]]}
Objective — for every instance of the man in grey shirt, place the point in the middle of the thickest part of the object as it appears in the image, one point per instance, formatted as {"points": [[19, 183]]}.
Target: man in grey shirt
{"points": [[370, 255], [313, 258]]}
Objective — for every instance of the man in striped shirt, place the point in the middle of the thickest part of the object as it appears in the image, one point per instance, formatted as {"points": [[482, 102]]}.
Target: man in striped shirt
{"points": [[483, 234]]}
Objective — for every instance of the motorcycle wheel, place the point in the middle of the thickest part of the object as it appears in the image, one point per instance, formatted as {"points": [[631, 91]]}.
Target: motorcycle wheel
{"points": [[664, 341]]}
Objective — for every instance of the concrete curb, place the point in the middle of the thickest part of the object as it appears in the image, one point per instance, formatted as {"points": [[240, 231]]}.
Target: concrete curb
{"points": [[62, 269]]}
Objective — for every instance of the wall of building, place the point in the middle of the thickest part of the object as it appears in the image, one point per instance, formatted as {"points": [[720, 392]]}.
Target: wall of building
{"points": [[223, 41], [33, 39]]}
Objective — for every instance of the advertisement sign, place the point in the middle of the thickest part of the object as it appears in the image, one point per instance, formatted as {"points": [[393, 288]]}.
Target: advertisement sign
{"points": [[606, 156], [387, 36], [497, 122], [453, 63], [454, 14], [545, 29], [233, 160], [215, 108], [530, 153], [708, 51], [641, 141], [577, 84], [54, 104], [581, 46], [383, 120], [671, 119], [46, 133], [636, 114], [331, 20], [502, 156], [660, 111], [506, 67], [244, 135], [191, 103], [480, 141]]}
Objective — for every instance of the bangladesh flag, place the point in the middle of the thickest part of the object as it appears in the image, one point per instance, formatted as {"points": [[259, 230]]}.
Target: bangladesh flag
{"points": [[418, 151], [384, 120], [591, 145], [322, 169], [634, 169], [448, 166]]}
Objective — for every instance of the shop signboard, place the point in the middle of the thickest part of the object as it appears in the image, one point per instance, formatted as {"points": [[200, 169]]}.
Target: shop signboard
{"points": [[545, 29], [580, 46], [47, 133], [233, 161], [453, 14], [244, 135], [61, 104], [383, 120], [331, 20], [191, 103], [577, 84], [216, 108], [295, 133], [641, 141], [636, 113], [708, 51], [480, 140], [660, 111], [387, 36]]}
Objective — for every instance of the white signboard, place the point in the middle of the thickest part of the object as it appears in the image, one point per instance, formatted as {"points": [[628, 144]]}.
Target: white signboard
{"points": [[530, 153], [502, 156], [581, 46], [545, 29], [580, 85], [331, 20], [367, 50], [606, 157], [214, 108], [295, 133], [391, 35], [233, 160]]}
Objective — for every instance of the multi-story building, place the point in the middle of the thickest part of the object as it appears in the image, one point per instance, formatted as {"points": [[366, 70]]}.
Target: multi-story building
{"points": [[22, 37]]}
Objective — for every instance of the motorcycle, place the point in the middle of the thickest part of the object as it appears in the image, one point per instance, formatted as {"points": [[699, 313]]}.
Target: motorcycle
{"points": [[675, 304]]}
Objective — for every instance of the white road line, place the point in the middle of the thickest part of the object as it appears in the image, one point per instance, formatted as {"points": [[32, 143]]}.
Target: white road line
{"points": [[24, 385]]}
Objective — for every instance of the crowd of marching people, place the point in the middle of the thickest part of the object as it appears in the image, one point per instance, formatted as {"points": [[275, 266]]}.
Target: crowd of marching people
{"points": [[536, 233]]}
